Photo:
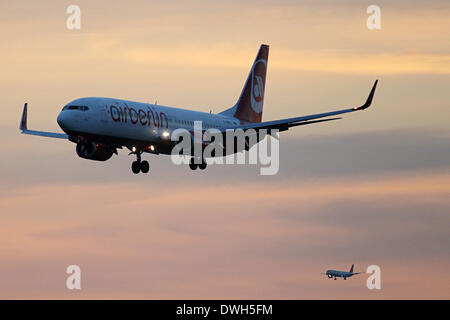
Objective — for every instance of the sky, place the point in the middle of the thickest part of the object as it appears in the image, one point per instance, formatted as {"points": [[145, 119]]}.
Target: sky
{"points": [[370, 189]]}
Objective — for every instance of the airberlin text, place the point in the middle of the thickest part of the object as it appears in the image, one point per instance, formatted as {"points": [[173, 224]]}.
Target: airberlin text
{"points": [[143, 117]]}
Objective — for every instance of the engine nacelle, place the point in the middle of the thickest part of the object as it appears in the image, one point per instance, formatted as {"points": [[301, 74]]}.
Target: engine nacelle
{"points": [[94, 151]]}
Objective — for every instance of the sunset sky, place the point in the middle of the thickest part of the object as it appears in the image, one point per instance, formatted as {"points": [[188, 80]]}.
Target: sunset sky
{"points": [[373, 188]]}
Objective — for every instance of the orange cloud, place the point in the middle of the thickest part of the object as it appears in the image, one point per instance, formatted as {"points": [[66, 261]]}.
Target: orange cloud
{"points": [[169, 235]]}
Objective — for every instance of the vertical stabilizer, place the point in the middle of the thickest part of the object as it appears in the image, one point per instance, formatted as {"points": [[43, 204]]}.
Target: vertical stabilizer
{"points": [[249, 106]]}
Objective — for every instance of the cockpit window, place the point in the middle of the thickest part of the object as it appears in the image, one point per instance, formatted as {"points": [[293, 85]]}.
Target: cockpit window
{"points": [[82, 108]]}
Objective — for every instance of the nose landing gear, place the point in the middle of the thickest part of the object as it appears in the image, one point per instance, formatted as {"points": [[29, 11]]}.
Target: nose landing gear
{"points": [[138, 165]]}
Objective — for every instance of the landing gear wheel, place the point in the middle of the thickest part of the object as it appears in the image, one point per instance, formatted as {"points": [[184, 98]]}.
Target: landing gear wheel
{"points": [[192, 164], [136, 167], [145, 166], [202, 166]]}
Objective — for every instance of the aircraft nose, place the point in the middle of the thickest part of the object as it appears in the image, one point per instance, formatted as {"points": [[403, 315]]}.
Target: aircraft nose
{"points": [[62, 120]]}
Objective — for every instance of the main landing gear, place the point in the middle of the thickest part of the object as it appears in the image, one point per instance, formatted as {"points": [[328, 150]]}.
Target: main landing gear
{"points": [[138, 165], [194, 166]]}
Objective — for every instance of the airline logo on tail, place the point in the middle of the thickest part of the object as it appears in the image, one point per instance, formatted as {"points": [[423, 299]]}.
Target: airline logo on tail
{"points": [[258, 80], [250, 103]]}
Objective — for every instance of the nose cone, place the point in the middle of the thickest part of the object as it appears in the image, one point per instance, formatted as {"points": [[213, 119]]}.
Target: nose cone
{"points": [[62, 120]]}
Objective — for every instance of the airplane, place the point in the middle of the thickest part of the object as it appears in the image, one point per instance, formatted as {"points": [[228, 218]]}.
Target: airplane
{"points": [[100, 126], [341, 274]]}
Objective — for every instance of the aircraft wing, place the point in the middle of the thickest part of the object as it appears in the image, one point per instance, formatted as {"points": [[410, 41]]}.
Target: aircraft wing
{"points": [[285, 124], [23, 127]]}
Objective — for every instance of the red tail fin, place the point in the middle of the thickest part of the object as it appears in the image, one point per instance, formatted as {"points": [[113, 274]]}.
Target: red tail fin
{"points": [[249, 107]]}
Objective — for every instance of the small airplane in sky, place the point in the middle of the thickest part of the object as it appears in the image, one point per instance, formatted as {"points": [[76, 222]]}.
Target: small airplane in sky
{"points": [[100, 126], [340, 274]]}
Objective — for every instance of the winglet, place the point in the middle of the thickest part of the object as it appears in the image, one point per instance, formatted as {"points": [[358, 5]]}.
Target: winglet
{"points": [[23, 122], [369, 98]]}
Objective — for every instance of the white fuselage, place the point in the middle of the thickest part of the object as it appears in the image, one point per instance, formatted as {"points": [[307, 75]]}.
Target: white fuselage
{"points": [[338, 274], [124, 120]]}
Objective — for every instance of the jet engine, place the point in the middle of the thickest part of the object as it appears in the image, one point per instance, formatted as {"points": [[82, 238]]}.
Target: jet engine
{"points": [[94, 151]]}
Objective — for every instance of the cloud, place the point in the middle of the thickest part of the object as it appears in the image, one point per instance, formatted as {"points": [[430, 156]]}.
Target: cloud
{"points": [[247, 240], [322, 37], [307, 156], [369, 196]]}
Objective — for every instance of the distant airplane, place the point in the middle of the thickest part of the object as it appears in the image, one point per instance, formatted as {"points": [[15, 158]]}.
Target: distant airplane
{"points": [[341, 274], [100, 126]]}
